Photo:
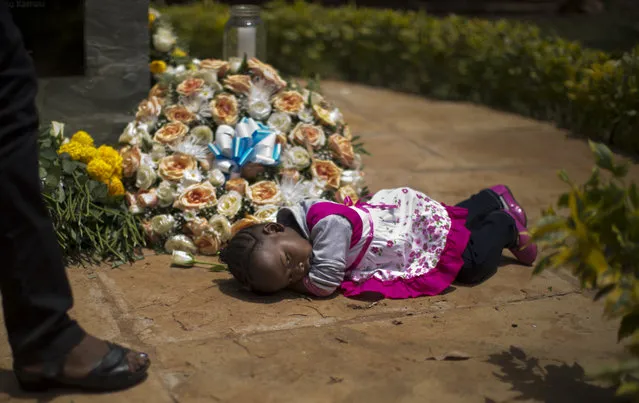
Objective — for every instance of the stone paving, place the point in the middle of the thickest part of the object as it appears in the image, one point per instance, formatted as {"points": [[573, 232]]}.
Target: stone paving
{"points": [[513, 338]]}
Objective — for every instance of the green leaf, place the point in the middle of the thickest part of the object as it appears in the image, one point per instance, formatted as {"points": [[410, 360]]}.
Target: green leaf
{"points": [[218, 268], [563, 175], [603, 156], [629, 325], [628, 388], [48, 154], [68, 166]]}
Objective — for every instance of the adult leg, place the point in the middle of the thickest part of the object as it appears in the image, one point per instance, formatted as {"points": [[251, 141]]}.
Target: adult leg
{"points": [[479, 205], [487, 241], [49, 348]]}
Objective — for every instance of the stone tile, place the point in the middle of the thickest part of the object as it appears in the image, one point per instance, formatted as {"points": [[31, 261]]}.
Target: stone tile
{"points": [[387, 360]]}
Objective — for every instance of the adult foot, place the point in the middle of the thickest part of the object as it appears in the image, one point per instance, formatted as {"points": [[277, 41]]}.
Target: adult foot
{"points": [[510, 204], [92, 364]]}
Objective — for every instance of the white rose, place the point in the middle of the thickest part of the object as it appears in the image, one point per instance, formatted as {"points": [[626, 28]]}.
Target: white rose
{"points": [[306, 116], [317, 188], [209, 77], [353, 178], [163, 40], [162, 224], [166, 193], [315, 97], [217, 178], [280, 121], [191, 177], [259, 110], [267, 213], [221, 226], [229, 204], [57, 130], [296, 157], [146, 159], [234, 64], [203, 135], [180, 242], [146, 177], [131, 135], [158, 151]]}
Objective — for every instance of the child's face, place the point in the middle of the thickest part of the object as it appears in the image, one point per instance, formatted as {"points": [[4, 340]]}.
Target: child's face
{"points": [[283, 259]]}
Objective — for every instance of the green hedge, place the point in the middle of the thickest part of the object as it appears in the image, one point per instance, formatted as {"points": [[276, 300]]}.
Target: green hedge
{"points": [[508, 65]]}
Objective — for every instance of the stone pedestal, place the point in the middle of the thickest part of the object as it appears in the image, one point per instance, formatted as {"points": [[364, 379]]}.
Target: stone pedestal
{"points": [[116, 76]]}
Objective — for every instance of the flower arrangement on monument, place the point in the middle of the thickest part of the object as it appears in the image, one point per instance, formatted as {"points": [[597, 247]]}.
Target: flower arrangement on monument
{"points": [[223, 145]]}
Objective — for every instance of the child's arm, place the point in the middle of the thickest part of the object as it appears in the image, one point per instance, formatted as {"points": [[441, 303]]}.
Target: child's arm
{"points": [[331, 239]]}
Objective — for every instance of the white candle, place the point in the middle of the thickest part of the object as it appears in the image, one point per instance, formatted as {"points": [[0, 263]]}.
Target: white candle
{"points": [[246, 42]]}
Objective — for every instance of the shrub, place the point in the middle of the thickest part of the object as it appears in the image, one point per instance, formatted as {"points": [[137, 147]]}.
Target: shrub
{"points": [[595, 234], [508, 65]]}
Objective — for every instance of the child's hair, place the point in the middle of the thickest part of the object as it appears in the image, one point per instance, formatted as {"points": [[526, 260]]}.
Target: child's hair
{"points": [[239, 251]]}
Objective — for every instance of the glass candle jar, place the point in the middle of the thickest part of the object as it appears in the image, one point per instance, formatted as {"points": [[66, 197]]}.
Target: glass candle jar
{"points": [[245, 33]]}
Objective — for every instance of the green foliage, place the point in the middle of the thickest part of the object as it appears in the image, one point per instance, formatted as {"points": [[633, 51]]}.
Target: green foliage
{"points": [[597, 238], [504, 64], [91, 226]]}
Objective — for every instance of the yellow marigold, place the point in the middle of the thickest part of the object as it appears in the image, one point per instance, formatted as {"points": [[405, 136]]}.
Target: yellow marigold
{"points": [[116, 188], [83, 138], [87, 153], [177, 52], [72, 148], [157, 67], [100, 170], [110, 156]]}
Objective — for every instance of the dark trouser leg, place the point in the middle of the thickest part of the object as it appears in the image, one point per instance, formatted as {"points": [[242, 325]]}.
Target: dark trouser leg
{"points": [[488, 239], [479, 205], [35, 290]]}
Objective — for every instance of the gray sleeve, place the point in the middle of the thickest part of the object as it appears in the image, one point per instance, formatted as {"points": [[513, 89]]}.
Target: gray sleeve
{"points": [[331, 238]]}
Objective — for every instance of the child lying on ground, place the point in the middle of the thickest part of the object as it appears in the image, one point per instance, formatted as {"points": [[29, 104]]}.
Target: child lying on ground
{"points": [[400, 244]]}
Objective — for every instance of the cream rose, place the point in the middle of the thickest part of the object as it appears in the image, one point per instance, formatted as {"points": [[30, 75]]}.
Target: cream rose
{"points": [[196, 197], [216, 177], [133, 133], [291, 174], [296, 157], [172, 168], [171, 133], [178, 113], [147, 198], [149, 109], [230, 204], [267, 213], [238, 83], [166, 193], [163, 224], [145, 177], [281, 122], [163, 40], [327, 117], [344, 192], [180, 242], [131, 158], [240, 185], [132, 203], [306, 116], [202, 135], [327, 172], [288, 102], [221, 66], [160, 91], [208, 243], [190, 86], [304, 132], [158, 151], [263, 193], [342, 149], [224, 109], [267, 72], [221, 226]]}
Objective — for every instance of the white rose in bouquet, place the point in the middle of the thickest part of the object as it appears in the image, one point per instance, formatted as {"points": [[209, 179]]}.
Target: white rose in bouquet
{"points": [[267, 213], [259, 110], [229, 204], [280, 121], [134, 133], [296, 157], [158, 151], [353, 178], [166, 193], [306, 116], [164, 39], [146, 177], [235, 63], [181, 243], [216, 177], [221, 226], [57, 130], [202, 135], [162, 224]]}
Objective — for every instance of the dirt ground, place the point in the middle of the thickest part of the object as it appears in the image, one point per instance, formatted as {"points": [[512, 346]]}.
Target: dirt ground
{"points": [[513, 338]]}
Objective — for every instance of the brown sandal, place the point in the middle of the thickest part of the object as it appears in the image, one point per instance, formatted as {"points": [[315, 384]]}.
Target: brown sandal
{"points": [[110, 374]]}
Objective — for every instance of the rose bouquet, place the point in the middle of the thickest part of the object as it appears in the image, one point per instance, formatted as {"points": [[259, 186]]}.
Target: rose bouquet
{"points": [[83, 191], [165, 51], [224, 145]]}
